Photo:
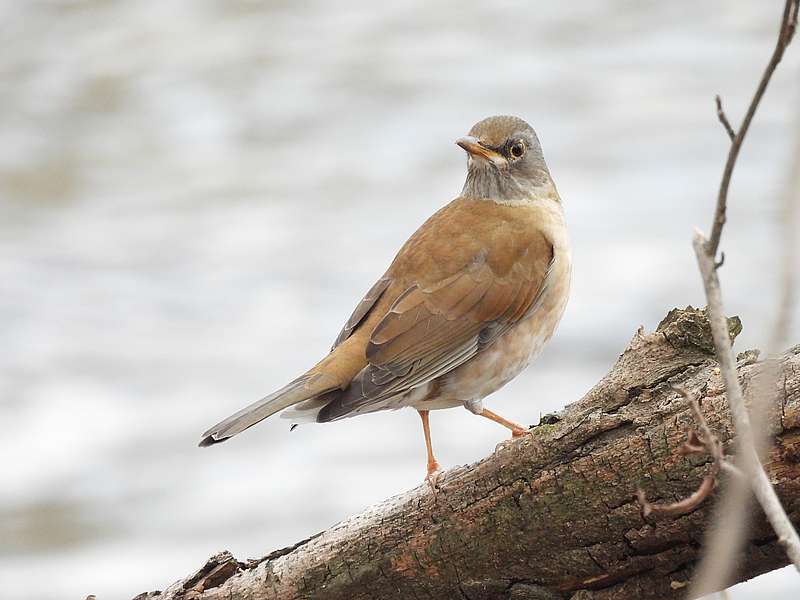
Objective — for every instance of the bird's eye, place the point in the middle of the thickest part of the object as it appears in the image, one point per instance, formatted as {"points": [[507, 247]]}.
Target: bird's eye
{"points": [[517, 149]]}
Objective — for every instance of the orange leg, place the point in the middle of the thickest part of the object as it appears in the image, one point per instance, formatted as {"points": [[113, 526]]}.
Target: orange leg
{"points": [[517, 430], [433, 465]]}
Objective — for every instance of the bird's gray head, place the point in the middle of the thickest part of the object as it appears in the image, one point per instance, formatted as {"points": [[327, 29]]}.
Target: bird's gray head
{"points": [[505, 160]]}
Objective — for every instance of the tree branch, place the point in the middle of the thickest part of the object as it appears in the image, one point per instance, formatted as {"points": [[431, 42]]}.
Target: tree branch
{"points": [[726, 537], [747, 447], [553, 515], [724, 540], [785, 35], [695, 444]]}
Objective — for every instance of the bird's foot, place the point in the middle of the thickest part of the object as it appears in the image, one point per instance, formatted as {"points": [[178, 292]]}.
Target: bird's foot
{"points": [[433, 476]]}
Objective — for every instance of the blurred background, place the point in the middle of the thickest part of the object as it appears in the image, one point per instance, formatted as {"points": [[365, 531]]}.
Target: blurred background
{"points": [[194, 195]]}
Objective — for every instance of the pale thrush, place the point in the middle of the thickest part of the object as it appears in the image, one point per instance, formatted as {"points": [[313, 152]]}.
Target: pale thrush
{"points": [[470, 299]]}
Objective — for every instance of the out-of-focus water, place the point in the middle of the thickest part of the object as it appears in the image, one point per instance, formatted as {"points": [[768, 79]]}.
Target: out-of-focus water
{"points": [[194, 195]]}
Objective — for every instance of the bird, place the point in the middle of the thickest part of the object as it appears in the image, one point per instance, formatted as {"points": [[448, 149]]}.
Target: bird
{"points": [[467, 303]]}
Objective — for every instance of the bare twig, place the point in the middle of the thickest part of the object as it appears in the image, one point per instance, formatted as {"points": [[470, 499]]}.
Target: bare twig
{"points": [[681, 507], [726, 538], [724, 541], [733, 470], [747, 454], [709, 441], [785, 35], [723, 118], [694, 445]]}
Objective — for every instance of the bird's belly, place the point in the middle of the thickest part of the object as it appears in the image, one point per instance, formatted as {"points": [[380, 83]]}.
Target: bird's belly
{"points": [[499, 364], [510, 354]]}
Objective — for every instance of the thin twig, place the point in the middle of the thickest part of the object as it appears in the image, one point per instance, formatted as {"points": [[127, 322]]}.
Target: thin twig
{"points": [[732, 469], [750, 464], [681, 507], [726, 538], [694, 445], [723, 118], [709, 441], [785, 35]]}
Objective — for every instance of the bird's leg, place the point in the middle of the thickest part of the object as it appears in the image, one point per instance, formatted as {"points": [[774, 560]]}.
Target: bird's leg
{"points": [[517, 430], [433, 465], [475, 406]]}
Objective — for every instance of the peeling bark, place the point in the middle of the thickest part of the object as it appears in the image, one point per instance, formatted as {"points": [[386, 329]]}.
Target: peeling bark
{"points": [[554, 514]]}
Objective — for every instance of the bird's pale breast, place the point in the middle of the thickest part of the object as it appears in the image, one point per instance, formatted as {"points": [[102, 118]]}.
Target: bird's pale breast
{"points": [[513, 351]]}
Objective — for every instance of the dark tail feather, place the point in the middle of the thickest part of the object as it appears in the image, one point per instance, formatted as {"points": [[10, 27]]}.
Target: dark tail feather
{"points": [[210, 441], [298, 390]]}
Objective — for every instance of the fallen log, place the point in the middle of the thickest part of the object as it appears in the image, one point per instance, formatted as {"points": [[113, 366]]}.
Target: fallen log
{"points": [[554, 515]]}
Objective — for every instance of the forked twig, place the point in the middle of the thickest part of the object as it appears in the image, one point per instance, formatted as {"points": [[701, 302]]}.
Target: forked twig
{"points": [[746, 451], [695, 443], [718, 558], [785, 35], [723, 118]]}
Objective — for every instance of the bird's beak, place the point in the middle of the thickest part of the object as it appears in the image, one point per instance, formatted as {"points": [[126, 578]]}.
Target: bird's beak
{"points": [[477, 150]]}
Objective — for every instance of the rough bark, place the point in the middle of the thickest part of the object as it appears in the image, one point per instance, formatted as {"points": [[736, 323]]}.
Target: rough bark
{"points": [[554, 514]]}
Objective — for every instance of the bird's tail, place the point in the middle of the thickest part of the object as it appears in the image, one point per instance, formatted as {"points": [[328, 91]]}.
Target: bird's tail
{"points": [[307, 386]]}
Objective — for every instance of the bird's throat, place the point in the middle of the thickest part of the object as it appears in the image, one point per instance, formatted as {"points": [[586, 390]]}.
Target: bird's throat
{"points": [[489, 183]]}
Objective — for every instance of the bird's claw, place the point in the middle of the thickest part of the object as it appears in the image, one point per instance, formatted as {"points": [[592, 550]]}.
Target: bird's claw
{"points": [[433, 476], [518, 433]]}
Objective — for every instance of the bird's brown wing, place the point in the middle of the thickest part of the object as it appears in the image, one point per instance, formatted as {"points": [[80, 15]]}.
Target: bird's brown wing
{"points": [[362, 309], [435, 326]]}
